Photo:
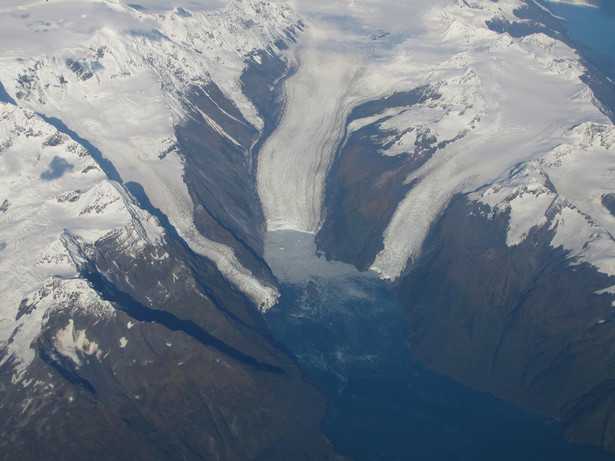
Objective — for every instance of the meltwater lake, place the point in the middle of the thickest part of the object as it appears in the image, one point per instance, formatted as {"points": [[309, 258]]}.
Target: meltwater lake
{"points": [[348, 334]]}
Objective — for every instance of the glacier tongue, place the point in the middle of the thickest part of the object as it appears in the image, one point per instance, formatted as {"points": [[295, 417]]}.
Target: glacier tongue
{"points": [[522, 81], [294, 161]]}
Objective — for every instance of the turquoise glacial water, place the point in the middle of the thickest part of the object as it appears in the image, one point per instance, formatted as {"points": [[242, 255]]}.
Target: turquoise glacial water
{"points": [[348, 334]]}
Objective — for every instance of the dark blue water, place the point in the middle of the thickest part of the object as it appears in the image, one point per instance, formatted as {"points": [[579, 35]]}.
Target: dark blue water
{"points": [[348, 333], [593, 27]]}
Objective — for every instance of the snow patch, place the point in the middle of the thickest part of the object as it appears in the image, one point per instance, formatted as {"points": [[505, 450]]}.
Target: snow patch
{"points": [[74, 344], [586, 240], [523, 193]]}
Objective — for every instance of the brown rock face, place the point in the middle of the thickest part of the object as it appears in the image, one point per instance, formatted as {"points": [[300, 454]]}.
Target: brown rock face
{"points": [[521, 321]]}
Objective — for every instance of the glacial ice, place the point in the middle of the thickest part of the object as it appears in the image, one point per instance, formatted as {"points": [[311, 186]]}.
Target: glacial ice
{"points": [[498, 93], [294, 161]]}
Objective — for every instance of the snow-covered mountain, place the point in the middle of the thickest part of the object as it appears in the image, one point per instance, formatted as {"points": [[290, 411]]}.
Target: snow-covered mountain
{"points": [[57, 199], [147, 68], [131, 290], [145, 150], [480, 113]]}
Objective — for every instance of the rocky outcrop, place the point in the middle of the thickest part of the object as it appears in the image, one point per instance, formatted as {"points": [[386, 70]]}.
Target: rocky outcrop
{"points": [[365, 186], [180, 366]]}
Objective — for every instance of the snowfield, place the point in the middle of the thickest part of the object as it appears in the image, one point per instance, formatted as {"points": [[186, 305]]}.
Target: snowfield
{"points": [[119, 83]]}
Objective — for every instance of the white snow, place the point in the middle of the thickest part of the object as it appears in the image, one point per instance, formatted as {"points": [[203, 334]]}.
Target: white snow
{"points": [[55, 294], [139, 64], [74, 343], [582, 168], [524, 194], [56, 194]]}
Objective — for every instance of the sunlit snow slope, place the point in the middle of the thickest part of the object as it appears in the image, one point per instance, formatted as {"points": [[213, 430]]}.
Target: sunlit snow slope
{"points": [[117, 75], [55, 199]]}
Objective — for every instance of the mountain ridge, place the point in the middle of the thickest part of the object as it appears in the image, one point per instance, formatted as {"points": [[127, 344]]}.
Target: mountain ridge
{"points": [[467, 160]]}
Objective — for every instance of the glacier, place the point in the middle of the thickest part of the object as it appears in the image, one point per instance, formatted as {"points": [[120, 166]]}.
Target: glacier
{"points": [[491, 115], [112, 265], [140, 63], [294, 161]]}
